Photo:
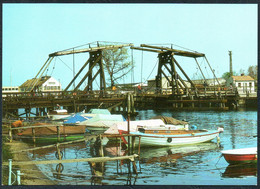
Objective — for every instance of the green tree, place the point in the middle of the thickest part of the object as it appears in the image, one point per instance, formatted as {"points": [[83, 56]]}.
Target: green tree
{"points": [[252, 71], [116, 64], [226, 75]]}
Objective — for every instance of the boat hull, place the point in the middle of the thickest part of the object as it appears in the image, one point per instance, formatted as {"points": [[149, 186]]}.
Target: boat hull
{"points": [[171, 140], [240, 156], [96, 130], [53, 139]]}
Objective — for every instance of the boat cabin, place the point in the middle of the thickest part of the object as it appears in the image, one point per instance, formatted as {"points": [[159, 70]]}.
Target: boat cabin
{"points": [[59, 112]]}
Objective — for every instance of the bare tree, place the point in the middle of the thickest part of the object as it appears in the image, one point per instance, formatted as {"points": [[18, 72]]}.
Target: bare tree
{"points": [[252, 71], [116, 63]]}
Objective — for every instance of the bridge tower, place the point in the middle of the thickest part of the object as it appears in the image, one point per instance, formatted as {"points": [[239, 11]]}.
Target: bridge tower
{"points": [[167, 60], [95, 61]]}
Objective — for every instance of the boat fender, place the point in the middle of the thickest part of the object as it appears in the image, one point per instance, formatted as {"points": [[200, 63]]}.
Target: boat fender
{"points": [[256, 156], [218, 139], [169, 140], [193, 127]]}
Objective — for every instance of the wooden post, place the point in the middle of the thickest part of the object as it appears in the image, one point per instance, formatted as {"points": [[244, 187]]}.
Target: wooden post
{"points": [[74, 105], [10, 134], [192, 104], [58, 150], [139, 147], [134, 168], [101, 147], [58, 133], [64, 134], [33, 133], [116, 147], [133, 143]]}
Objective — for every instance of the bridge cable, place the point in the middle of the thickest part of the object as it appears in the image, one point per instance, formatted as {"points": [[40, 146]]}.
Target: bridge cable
{"points": [[53, 66], [132, 70], [142, 61]]}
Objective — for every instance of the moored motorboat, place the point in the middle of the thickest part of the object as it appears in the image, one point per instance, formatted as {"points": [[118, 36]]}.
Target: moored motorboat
{"points": [[238, 156], [46, 132], [58, 114], [101, 122]]}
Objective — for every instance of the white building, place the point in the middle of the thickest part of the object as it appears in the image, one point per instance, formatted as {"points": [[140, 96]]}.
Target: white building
{"points": [[167, 86], [211, 82], [243, 84], [44, 84], [7, 90]]}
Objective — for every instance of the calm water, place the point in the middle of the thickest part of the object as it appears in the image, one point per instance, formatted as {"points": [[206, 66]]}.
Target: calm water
{"points": [[188, 165]]}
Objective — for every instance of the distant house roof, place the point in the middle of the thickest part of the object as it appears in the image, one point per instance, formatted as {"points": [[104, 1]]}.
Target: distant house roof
{"points": [[39, 82], [242, 78]]}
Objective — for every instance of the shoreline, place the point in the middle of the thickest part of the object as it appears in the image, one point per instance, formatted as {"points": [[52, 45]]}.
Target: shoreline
{"points": [[32, 175]]}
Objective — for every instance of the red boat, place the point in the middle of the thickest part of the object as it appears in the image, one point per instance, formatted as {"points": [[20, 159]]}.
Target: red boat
{"points": [[243, 155]]}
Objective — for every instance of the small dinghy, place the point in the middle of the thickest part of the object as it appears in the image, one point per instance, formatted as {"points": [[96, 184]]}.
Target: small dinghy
{"points": [[243, 155]]}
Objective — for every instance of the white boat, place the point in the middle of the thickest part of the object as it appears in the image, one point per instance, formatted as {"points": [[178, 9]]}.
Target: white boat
{"points": [[151, 137], [156, 133], [101, 122], [58, 114]]}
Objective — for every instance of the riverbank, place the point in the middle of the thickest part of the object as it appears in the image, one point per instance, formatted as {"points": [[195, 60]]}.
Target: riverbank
{"points": [[31, 173]]}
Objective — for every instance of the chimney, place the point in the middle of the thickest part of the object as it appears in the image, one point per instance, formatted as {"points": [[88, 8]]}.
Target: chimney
{"points": [[230, 63]]}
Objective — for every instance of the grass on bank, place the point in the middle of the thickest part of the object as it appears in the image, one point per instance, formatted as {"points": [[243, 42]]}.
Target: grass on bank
{"points": [[6, 154]]}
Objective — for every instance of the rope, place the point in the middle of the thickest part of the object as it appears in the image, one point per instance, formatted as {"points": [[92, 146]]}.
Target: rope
{"points": [[65, 64], [142, 60], [132, 70], [53, 66], [152, 70]]}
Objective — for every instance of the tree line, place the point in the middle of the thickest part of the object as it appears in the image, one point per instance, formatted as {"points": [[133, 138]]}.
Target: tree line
{"points": [[251, 71]]}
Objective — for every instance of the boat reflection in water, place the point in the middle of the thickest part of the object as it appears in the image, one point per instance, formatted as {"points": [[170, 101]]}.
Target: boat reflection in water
{"points": [[240, 170], [167, 156]]}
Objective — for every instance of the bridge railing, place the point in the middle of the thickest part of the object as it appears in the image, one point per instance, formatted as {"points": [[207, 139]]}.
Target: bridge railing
{"points": [[113, 93]]}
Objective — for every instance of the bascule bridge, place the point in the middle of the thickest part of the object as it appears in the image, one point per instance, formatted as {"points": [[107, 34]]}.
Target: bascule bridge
{"points": [[76, 98]]}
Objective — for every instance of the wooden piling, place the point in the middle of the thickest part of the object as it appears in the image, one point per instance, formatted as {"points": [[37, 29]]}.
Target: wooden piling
{"points": [[101, 147], [134, 168], [58, 151], [58, 133], [10, 134], [139, 146], [33, 134]]}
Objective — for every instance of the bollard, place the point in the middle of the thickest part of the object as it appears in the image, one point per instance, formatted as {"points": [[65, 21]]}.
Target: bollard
{"points": [[18, 177], [10, 172]]}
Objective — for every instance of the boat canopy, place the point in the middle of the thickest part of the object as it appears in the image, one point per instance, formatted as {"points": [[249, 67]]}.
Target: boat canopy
{"points": [[170, 120], [103, 117], [76, 118], [99, 111], [133, 125]]}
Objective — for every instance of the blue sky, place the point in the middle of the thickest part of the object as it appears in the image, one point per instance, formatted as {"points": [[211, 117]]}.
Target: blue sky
{"points": [[32, 31]]}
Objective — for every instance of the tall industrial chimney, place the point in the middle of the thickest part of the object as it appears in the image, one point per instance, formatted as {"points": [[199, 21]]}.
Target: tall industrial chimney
{"points": [[230, 63]]}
